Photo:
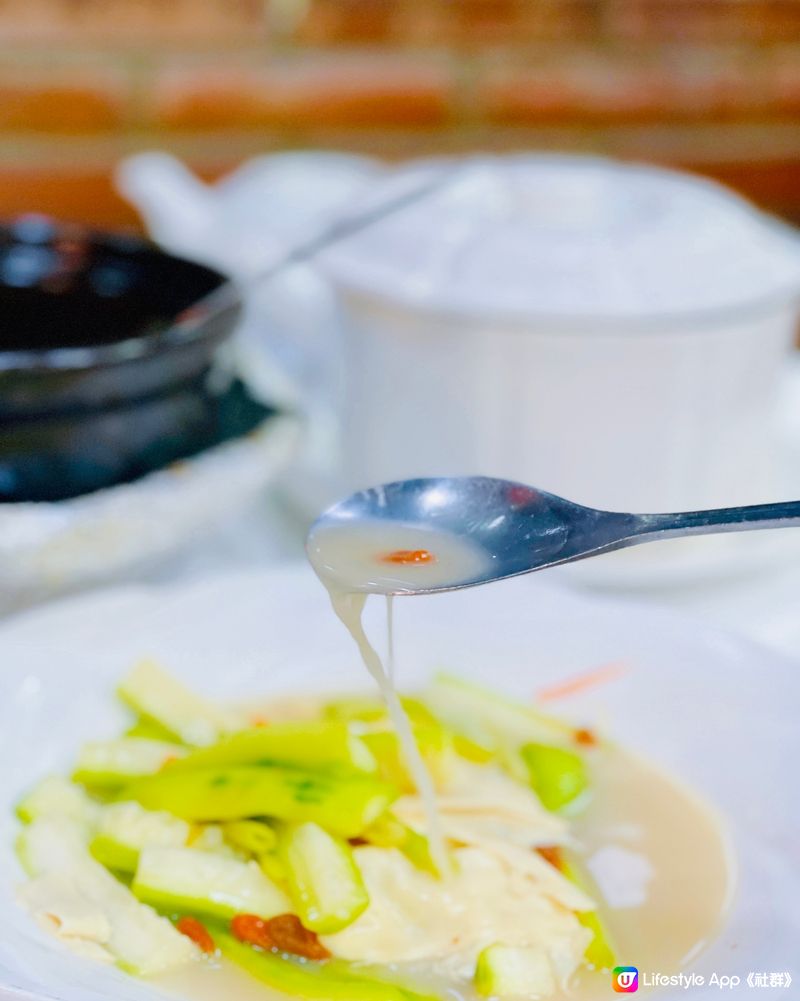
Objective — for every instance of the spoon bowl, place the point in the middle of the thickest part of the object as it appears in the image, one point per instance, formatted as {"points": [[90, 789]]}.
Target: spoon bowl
{"points": [[517, 528]]}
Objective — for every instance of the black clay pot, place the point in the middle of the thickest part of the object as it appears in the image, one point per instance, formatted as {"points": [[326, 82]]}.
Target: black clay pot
{"points": [[105, 375]]}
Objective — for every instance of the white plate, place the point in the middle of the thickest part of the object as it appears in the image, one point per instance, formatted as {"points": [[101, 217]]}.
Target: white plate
{"points": [[716, 710]]}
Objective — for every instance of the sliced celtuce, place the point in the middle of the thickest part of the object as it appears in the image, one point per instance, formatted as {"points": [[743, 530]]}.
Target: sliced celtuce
{"points": [[390, 832], [435, 746], [149, 728], [489, 719], [210, 838], [345, 805], [191, 719], [186, 880], [69, 889], [324, 880], [514, 971], [126, 828], [58, 795], [329, 981], [557, 774], [329, 747], [108, 764], [372, 713], [356, 708], [273, 868], [52, 842], [600, 952], [253, 837], [367, 709]]}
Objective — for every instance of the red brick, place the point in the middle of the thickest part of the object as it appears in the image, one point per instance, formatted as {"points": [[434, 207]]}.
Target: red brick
{"points": [[66, 99], [772, 183], [783, 82], [336, 22], [132, 22], [592, 88], [308, 92], [713, 21], [77, 194], [711, 85], [557, 92], [476, 24]]}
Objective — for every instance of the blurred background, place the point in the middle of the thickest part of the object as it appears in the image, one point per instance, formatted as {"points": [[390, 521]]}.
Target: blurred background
{"points": [[710, 85], [223, 457]]}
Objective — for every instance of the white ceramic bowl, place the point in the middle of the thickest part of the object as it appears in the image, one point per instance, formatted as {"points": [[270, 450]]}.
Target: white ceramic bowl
{"points": [[717, 711], [610, 332]]}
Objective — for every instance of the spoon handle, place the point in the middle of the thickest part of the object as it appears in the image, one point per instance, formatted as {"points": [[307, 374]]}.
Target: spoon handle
{"points": [[726, 519], [228, 297]]}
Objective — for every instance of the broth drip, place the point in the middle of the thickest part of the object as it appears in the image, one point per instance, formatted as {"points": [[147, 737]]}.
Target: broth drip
{"points": [[349, 607], [371, 556]]}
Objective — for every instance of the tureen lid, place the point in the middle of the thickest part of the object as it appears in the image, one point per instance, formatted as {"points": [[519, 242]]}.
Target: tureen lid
{"points": [[568, 237]]}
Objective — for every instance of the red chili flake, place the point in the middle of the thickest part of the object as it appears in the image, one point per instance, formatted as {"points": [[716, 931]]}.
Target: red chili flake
{"points": [[585, 737], [253, 930], [197, 932], [259, 721], [170, 758], [290, 935], [551, 854]]}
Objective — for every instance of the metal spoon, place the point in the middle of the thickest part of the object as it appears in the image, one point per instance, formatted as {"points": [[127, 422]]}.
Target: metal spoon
{"points": [[522, 529]]}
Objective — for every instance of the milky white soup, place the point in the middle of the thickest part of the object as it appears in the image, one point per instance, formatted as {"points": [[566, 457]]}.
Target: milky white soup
{"points": [[372, 556]]}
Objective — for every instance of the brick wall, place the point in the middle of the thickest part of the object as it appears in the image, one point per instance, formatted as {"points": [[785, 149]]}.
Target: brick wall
{"points": [[709, 84]]}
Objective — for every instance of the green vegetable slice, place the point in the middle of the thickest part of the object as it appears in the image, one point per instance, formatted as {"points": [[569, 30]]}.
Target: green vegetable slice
{"points": [[514, 971], [356, 708], [389, 832], [107, 764], [323, 878], [253, 837], [435, 746], [557, 775], [126, 828], [52, 842], [491, 720], [150, 729], [601, 953], [330, 747], [328, 981], [186, 880], [158, 697], [57, 795], [344, 805]]}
